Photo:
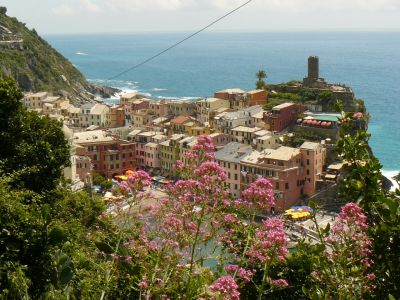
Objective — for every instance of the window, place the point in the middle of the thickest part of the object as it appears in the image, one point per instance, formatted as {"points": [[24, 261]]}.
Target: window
{"points": [[277, 186], [236, 177], [308, 172], [95, 157], [308, 162], [286, 185]]}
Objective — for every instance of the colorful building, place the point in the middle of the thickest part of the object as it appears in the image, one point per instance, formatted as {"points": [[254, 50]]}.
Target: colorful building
{"points": [[293, 172], [94, 114], [229, 157], [169, 152], [282, 116], [206, 108], [117, 116], [109, 155]]}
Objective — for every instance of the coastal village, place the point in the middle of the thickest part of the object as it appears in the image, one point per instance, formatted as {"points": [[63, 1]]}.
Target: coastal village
{"points": [[251, 142]]}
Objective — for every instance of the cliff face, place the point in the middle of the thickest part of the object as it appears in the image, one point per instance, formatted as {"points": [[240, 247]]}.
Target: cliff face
{"points": [[36, 66]]}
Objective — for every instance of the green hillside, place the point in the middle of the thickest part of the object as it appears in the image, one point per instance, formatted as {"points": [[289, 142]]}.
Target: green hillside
{"points": [[37, 66]]}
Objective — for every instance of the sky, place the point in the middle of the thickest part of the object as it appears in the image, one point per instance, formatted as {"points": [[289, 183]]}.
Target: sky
{"points": [[119, 16]]}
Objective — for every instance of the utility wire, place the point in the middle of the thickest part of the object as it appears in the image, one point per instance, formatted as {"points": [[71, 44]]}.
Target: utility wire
{"points": [[180, 42]]}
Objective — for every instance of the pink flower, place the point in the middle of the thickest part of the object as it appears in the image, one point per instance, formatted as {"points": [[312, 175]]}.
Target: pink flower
{"points": [[270, 242], [139, 180], [226, 288], [179, 164], [259, 194], [144, 284], [246, 275], [279, 283], [210, 170], [124, 186]]}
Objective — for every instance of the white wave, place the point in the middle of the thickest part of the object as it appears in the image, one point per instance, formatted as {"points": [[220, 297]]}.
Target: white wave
{"points": [[81, 53], [178, 98], [159, 89], [390, 175]]}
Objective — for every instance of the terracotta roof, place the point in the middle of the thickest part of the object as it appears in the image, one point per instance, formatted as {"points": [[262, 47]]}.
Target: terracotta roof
{"points": [[180, 120]]}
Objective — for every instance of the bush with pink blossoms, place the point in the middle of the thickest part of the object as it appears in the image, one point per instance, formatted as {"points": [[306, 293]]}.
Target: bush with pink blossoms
{"points": [[344, 269], [224, 288], [198, 222]]}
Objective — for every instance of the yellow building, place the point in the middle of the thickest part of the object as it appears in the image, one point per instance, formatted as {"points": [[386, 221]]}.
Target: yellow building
{"points": [[206, 108]]}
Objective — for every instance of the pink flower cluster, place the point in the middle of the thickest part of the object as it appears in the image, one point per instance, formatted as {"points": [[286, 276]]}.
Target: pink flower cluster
{"points": [[203, 150], [259, 195], [209, 171], [280, 283], [136, 182], [350, 233], [270, 242], [244, 274], [226, 288]]}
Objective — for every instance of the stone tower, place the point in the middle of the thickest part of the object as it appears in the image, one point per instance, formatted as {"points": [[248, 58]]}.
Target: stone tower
{"points": [[313, 67], [313, 80]]}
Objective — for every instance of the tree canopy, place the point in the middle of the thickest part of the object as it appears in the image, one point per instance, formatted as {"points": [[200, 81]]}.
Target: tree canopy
{"points": [[32, 143]]}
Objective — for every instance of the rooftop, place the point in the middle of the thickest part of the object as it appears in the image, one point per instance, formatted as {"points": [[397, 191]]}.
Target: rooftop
{"points": [[134, 132], [232, 91], [180, 120], [262, 132], [129, 95], [282, 153], [210, 100], [254, 92], [246, 129], [73, 110], [51, 99], [92, 136], [87, 106], [98, 109], [283, 105], [151, 145], [233, 152], [147, 133], [39, 95], [259, 115], [310, 146]]}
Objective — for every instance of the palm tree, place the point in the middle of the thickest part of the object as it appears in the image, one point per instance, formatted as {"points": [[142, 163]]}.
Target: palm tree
{"points": [[261, 75]]}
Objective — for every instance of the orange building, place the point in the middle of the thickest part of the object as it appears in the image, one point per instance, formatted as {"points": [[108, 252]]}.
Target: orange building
{"points": [[282, 116], [293, 172], [109, 155], [257, 97]]}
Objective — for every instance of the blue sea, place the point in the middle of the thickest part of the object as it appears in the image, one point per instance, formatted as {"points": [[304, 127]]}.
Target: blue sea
{"points": [[211, 61]]}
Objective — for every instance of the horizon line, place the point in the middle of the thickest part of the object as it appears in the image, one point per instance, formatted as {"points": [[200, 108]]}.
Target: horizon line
{"points": [[326, 30]]}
